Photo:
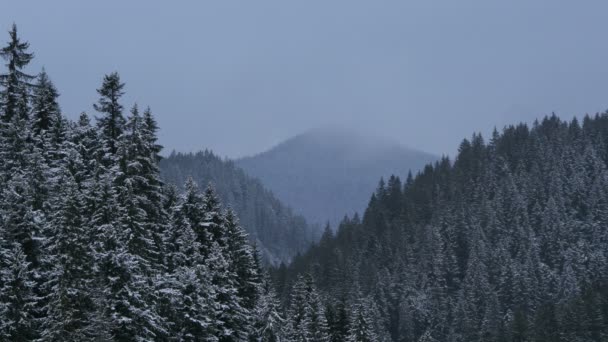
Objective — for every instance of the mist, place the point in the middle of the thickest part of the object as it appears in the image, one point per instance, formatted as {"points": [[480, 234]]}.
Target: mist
{"points": [[239, 77]]}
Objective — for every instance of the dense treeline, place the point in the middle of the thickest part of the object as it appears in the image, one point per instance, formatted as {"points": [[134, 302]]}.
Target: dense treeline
{"points": [[93, 246], [507, 243], [278, 233]]}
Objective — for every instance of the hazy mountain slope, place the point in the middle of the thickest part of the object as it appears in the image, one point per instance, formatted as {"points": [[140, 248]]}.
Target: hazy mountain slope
{"points": [[329, 172], [280, 233], [507, 243]]}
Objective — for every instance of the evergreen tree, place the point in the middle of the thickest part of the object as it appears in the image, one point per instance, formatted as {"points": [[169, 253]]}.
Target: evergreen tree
{"points": [[232, 318], [15, 84], [361, 328], [188, 299], [45, 109], [306, 312], [111, 123], [17, 298], [70, 308], [242, 260], [268, 321], [338, 321], [21, 222]]}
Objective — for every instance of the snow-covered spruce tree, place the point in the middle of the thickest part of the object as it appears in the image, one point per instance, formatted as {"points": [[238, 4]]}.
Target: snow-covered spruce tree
{"points": [[69, 308], [139, 190], [268, 321], [84, 138], [306, 312], [45, 109], [242, 261], [14, 107], [17, 298], [192, 209], [194, 306], [188, 300], [126, 304], [111, 123], [232, 319], [49, 130], [22, 224], [361, 325], [16, 83], [338, 320], [214, 221], [127, 291], [149, 135]]}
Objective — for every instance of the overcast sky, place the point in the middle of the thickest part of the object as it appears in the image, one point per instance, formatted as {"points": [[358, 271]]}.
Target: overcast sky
{"points": [[240, 76]]}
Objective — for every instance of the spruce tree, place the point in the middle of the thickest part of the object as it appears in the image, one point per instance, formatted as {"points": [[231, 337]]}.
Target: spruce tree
{"points": [[111, 123], [22, 223], [232, 318], [45, 109], [338, 321], [361, 328], [139, 192], [242, 261], [268, 321], [17, 297], [16, 83], [70, 308], [306, 312], [188, 296]]}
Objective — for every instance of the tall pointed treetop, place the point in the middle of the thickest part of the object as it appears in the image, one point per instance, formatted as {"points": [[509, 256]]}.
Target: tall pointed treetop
{"points": [[112, 121], [45, 107], [13, 96]]}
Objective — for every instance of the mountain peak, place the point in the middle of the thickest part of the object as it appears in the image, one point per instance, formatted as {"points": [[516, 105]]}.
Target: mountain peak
{"points": [[329, 172]]}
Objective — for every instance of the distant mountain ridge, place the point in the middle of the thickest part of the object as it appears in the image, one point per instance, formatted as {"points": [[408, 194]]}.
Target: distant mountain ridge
{"points": [[278, 232], [330, 172]]}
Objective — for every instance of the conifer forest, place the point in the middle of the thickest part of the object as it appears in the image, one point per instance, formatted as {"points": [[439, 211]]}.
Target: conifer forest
{"points": [[506, 241]]}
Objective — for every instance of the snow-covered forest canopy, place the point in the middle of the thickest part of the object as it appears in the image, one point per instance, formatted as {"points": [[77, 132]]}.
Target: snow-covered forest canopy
{"points": [[93, 246], [508, 242], [278, 232]]}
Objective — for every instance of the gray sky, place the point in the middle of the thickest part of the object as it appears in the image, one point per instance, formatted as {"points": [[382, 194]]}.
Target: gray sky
{"points": [[240, 76]]}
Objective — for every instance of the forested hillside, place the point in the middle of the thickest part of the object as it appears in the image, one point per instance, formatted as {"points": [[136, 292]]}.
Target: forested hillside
{"points": [[278, 232], [93, 246], [507, 243], [330, 172]]}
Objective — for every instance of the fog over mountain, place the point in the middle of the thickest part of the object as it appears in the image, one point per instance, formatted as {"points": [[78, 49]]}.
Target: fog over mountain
{"points": [[239, 77], [278, 233], [345, 112], [330, 172]]}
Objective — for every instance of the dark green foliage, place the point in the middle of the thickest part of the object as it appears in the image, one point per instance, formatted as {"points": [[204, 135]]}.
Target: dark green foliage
{"points": [[275, 229], [93, 246], [17, 298], [15, 84], [45, 109], [111, 123], [507, 243]]}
